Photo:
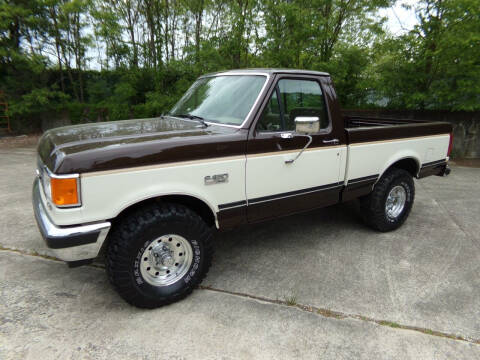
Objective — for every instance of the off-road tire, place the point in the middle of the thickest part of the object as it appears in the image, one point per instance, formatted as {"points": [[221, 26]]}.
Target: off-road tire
{"points": [[131, 235], [373, 205]]}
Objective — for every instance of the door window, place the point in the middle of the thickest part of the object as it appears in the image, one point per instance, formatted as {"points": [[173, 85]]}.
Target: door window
{"points": [[271, 119], [293, 98]]}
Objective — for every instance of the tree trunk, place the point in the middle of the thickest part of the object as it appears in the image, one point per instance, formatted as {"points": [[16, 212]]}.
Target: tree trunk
{"points": [[165, 33], [131, 31], [53, 14], [198, 29]]}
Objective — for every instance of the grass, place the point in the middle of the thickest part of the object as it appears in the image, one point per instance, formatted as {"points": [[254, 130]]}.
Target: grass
{"points": [[291, 300], [390, 324]]}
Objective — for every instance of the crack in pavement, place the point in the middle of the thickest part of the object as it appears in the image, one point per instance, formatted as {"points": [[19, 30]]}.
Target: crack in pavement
{"points": [[342, 315], [307, 308]]}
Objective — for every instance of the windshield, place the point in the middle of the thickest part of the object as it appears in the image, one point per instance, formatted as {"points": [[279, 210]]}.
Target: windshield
{"points": [[221, 99]]}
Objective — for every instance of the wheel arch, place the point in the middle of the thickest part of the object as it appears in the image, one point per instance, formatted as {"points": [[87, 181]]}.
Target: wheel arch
{"points": [[200, 206], [410, 163]]}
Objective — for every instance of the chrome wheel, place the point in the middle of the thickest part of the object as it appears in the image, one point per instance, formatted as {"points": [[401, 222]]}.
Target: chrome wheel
{"points": [[395, 203], [166, 260]]}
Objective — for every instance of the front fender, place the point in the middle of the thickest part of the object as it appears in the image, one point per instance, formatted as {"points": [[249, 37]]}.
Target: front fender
{"points": [[105, 195]]}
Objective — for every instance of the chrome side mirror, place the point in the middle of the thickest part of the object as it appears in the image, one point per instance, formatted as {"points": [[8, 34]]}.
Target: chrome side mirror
{"points": [[307, 124]]}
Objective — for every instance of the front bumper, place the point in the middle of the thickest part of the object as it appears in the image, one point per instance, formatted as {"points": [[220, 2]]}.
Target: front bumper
{"points": [[68, 243]]}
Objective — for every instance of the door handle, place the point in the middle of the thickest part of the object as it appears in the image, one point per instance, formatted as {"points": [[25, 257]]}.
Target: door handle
{"points": [[286, 135], [333, 141]]}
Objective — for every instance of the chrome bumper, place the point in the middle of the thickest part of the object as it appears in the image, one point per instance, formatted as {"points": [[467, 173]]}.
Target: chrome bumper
{"points": [[68, 243]]}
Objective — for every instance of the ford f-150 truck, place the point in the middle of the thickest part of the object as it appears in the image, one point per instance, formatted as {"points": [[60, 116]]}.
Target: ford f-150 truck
{"points": [[239, 147]]}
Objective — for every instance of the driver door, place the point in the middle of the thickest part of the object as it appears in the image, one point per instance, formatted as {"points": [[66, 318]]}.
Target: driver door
{"points": [[275, 186]]}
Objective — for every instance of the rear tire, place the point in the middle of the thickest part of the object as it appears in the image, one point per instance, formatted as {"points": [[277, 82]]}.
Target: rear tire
{"points": [[158, 254], [387, 207]]}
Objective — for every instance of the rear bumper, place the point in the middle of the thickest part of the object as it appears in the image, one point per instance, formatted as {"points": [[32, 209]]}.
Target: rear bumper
{"points": [[438, 168], [68, 243], [445, 171]]}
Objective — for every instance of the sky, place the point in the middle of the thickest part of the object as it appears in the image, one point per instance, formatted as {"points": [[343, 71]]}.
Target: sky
{"points": [[400, 19]]}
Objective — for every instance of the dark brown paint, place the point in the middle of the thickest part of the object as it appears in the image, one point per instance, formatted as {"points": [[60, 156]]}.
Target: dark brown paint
{"points": [[392, 132], [270, 141], [432, 168], [358, 187], [230, 218], [126, 144], [284, 206]]}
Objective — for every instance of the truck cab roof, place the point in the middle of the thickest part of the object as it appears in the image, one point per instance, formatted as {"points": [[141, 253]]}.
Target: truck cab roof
{"points": [[268, 71]]}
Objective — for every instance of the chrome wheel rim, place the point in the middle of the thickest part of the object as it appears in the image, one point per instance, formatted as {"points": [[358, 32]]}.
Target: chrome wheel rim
{"points": [[396, 199], [166, 260]]}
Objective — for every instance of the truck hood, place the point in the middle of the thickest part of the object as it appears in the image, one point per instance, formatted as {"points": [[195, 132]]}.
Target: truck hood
{"points": [[130, 143]]}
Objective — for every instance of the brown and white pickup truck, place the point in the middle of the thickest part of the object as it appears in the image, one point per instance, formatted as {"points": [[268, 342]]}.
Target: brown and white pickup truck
{"points": [[239, 147]]}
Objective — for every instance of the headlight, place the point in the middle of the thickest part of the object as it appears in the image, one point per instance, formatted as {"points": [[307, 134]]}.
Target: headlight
{"points": [[61, 190]]}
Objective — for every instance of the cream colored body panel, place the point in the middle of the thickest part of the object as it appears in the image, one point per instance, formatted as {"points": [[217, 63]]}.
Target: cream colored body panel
{"points": [[268, 174], [105, 194], [120, 190], [365, 159]]}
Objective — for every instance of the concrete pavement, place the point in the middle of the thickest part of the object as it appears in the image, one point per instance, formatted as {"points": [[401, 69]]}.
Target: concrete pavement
{"points": [[362, 294]]}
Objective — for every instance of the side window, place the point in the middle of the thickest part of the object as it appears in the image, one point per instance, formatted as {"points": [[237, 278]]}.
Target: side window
{"points": [[271, 119], [297, 98], [302, 98]]}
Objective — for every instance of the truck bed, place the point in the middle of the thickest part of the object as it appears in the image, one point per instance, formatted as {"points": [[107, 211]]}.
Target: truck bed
{"points": [[366, 129], [374, 144]]}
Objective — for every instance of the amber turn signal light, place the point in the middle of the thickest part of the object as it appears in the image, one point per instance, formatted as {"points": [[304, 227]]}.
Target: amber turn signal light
{"points": [[65, 191]]}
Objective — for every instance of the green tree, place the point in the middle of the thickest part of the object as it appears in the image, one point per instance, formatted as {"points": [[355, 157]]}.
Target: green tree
{"points": [[301, 33], [107, 59], [437, 64]]}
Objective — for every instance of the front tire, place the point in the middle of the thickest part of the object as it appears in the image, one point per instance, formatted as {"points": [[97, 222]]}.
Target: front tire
{"points": [[387, 207], [158, 254]]}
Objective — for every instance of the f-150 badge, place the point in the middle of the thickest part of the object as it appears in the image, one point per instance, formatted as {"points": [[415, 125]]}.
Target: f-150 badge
{"points": [[216, 179]]}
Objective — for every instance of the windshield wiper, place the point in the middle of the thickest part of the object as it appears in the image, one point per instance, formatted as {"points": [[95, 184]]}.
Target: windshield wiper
{"points": [[193, 117]]}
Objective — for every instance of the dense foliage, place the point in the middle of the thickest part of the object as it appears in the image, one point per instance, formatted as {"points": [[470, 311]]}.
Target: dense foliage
{"points": [[107, 59]]}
